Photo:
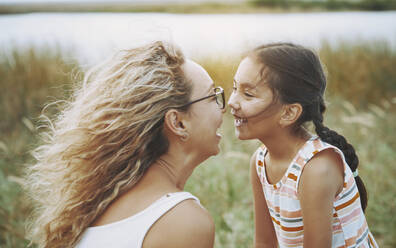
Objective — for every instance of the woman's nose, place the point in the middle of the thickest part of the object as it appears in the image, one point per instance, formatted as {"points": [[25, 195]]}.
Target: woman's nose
{"points": [[232, 101]]}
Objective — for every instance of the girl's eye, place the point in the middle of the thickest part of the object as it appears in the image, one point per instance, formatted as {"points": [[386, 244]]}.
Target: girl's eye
{"points": [[248, 95], [234, 88]]}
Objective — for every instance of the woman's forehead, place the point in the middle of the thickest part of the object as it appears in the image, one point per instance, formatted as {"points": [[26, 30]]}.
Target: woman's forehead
{"points": [[199, 78]]}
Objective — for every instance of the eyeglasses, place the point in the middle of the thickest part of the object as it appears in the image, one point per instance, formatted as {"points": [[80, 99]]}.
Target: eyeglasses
{"points": [[218, 94]]}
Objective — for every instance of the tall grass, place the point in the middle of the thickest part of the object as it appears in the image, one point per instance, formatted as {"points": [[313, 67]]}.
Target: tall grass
{"points": [[368, 5], [28, 78], [362, 106], [361, 73], [249, 6]]}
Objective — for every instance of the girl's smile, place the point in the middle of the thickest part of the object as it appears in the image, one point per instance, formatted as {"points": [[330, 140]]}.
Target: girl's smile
{"points": [[239, 121]]}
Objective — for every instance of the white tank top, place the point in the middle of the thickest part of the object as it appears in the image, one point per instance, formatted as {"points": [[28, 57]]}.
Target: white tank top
{"points": [[130, 232]]}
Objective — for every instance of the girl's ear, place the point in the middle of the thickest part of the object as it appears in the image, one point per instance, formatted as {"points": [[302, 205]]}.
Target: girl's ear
{"points": [[174, 123], [290, 114]]}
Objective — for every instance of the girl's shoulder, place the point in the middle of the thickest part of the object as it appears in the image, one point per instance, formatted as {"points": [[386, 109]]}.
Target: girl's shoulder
{"points": [[315, 149], [323, 167], [324, 164]]}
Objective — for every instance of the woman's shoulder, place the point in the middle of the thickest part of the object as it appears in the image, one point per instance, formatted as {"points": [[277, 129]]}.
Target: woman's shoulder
{"points": [[174, 229]]}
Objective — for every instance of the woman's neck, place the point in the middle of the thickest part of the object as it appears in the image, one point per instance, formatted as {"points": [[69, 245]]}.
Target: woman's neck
{"points": [[175, 167], [173, 171]]}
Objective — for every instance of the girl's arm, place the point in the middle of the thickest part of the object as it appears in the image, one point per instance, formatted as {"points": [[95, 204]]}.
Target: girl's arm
{"points": [[321, 181], [264, 228]]}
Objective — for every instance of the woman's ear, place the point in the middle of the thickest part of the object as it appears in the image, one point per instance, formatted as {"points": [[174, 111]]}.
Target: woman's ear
{"points": [[175, 124], [290, 114]]}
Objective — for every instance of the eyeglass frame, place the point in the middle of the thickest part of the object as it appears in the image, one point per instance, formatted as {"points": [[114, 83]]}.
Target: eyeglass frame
{"points": [[213, 95]]}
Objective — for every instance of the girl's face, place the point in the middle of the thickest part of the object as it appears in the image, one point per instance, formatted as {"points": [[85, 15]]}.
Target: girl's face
{"points": [[251, 103]]}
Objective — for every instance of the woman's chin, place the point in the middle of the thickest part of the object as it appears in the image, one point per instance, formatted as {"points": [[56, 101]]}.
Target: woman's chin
{"points": [[216, 151], [212, 152]]}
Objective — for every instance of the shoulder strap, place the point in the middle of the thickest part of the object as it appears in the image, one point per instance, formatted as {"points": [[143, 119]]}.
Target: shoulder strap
{"points": [[310, 149], [260, 161], [165, 204]]}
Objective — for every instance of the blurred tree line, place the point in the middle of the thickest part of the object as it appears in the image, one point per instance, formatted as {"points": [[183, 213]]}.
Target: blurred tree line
{"points": [[375, 5]]}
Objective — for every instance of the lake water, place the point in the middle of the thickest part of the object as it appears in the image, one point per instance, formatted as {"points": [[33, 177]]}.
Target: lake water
{"points": [[91, 36]]}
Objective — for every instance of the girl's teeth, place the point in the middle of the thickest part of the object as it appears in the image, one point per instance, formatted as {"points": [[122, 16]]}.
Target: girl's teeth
{"points": [[239, 121]]}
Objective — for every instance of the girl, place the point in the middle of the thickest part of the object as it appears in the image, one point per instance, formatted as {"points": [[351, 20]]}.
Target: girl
{"points": [[117, 158], [307, 192]]}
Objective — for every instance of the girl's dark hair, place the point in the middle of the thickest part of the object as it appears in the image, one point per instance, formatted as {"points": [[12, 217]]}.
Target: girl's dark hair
{"points": [[295, 75]]}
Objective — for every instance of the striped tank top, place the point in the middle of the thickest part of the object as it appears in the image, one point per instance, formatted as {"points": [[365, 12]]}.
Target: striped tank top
{"points": [[349, 223]]}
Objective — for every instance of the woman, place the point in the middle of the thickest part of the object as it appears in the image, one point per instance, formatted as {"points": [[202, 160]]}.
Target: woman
{"points": [[115, 163]]}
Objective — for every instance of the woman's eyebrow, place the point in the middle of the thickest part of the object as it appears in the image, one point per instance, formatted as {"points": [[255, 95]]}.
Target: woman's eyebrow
{"points": [[210, 90]]}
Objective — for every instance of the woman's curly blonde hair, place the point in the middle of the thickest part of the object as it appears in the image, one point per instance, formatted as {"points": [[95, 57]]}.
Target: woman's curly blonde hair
{"points": [[104, 140]]}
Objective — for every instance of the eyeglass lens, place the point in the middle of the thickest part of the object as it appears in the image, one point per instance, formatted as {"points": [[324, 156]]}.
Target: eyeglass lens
{"points": [[219, 98]]}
